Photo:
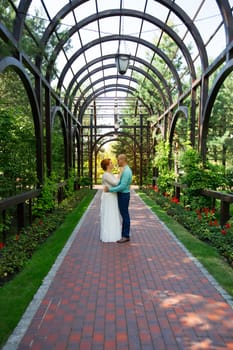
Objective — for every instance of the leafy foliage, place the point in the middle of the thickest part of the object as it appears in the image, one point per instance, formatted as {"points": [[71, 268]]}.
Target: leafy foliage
{"points": [[161, 162], [58, 150], [17, 138], [198, 176], [46, 201]]}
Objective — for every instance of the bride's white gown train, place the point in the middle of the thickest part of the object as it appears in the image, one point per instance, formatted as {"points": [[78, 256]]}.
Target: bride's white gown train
{"points": [[110, 220]]}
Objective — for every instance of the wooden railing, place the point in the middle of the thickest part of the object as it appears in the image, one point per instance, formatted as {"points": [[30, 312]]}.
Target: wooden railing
{"points": [[21, 202], [225, 200], [18, 201]]}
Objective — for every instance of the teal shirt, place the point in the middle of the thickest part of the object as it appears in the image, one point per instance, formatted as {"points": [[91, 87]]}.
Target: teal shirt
{"points": [[125, 181]]}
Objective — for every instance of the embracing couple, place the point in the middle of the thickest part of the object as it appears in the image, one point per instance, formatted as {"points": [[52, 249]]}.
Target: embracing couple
{"points": [[114, 210]]}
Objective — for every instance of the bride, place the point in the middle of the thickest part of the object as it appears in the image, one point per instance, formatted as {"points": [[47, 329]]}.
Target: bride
{"points": [[110, 221]]}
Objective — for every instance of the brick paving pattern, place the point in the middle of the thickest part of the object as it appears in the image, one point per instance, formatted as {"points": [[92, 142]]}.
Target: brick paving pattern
{"points": [[141, 295]]}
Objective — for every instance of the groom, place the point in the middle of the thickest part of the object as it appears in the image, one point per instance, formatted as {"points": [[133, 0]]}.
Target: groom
{"points": [[123, 193]]}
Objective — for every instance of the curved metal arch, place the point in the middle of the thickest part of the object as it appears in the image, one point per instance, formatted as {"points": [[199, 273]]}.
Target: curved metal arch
{"points": [[98, 59], [20, 18], [75, 130], [90, 86], [172, 6], [141, 41], [109, 88], [19, 69], [159, 130], [154, 82], [129, 13], [54, 22], [148, 76], [103, 90], [7, 36], [119, 88], [184, 111], [57, 110], [226, 13], [121, 133], [152, 20], [192, 29], [223, 74], [107, 141]]}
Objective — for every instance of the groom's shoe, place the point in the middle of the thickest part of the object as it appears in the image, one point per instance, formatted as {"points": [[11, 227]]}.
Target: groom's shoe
{"points": [[123, 240]]}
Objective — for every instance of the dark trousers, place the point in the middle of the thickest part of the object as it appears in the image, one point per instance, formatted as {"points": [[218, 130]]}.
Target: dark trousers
{"points": [[123, 203]]}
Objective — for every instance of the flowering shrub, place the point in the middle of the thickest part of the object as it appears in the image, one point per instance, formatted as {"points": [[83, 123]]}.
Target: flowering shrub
{"points": [[174, 200], [202, 223], [18, 249]]}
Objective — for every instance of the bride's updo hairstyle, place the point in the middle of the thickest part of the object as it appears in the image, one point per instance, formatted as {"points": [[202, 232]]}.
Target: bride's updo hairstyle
{"points": [[105, 163]]}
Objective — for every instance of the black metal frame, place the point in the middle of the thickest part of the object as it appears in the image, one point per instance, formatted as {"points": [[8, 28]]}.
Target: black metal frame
{"points": [[72, 108]]}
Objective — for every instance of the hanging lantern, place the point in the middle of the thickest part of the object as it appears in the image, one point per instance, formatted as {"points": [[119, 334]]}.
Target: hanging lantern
{"points": [[122, 62]]}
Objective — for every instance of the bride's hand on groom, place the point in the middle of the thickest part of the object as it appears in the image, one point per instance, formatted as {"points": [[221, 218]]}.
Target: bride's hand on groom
{"points": [[105, 188]]}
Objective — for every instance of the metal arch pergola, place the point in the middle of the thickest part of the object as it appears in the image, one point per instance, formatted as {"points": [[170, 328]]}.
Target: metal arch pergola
{"points": [[82, 81]]}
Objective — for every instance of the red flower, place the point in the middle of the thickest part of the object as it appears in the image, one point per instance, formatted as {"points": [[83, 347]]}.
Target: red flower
{"points": [[17, 237], [223, 232], [228, 225], [175, 200], [1, 245]]}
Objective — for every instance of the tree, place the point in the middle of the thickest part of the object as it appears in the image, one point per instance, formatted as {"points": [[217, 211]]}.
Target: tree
{"points": [[17, 137], [17, 133], [220, 137], [58, 150]]}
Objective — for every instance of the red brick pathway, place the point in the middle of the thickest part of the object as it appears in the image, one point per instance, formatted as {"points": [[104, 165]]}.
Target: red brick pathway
{"points": [[145, 294]]}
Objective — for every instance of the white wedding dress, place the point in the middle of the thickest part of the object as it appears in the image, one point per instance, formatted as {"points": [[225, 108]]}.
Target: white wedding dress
{"points": [[110, 220]]}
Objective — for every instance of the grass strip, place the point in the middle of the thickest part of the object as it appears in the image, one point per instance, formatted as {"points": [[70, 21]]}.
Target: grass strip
{"points": [[207, 255], [16, 295]]}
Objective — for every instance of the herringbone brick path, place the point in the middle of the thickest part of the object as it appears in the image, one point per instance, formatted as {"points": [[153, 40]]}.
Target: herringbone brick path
{"points": [[144, 294]]}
